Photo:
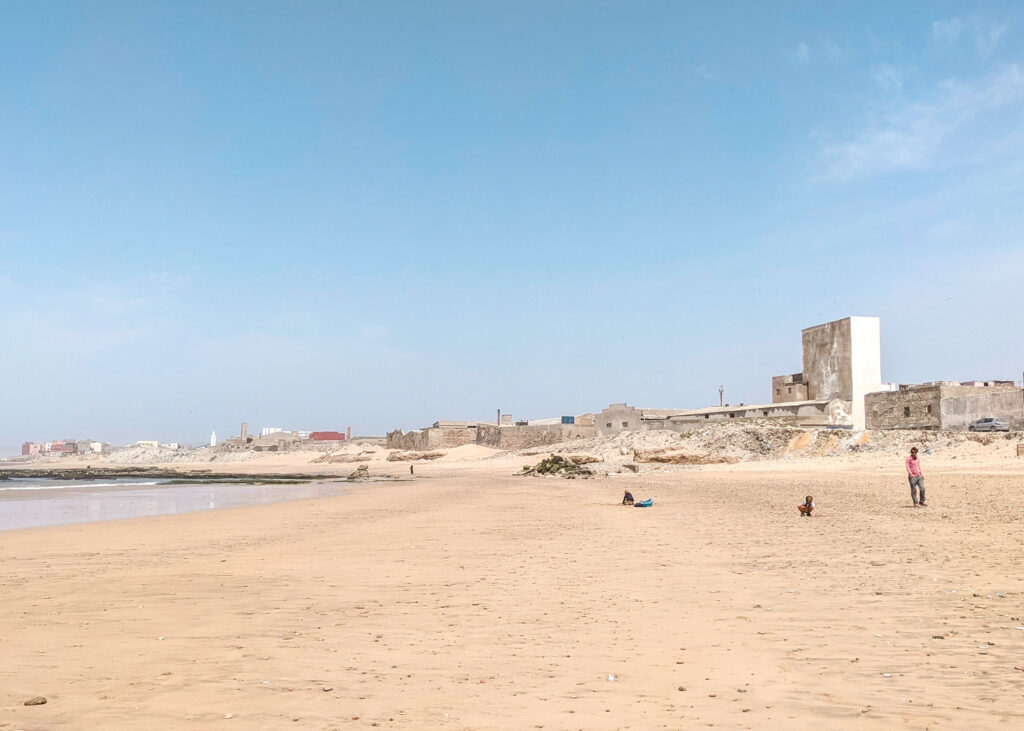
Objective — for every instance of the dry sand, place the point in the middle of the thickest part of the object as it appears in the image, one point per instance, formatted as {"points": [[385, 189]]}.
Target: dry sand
{"points": [[471, 599]]}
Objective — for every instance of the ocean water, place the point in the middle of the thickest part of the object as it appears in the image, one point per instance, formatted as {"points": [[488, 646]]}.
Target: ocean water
{"points": [[33, 502]]}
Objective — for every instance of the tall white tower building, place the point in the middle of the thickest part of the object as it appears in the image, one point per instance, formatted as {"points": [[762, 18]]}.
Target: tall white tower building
{"points": [[213, 439]]}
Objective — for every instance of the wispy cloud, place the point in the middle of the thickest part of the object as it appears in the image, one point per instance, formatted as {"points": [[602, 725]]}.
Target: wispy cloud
{"points": [[704, 72], [947, 31], [918, 134], [987, 41], [802, 52], [888, 77]]}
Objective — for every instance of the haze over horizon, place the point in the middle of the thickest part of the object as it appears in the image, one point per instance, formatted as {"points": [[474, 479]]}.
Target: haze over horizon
{"points": [[379, 215]]}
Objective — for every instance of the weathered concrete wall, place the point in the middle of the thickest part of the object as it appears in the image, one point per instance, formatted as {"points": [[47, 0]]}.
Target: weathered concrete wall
{"points": [[523, 437], [826, 357], [842, 360], [963, 404], [789, 388], [618, 418], [943, 406], [488, 435], [915, 408]]}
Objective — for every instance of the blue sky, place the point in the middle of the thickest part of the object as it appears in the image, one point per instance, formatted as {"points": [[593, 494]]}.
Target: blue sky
{"points": [[315, 215]]}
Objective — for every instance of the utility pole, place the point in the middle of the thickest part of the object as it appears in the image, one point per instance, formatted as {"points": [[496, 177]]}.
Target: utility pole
{"points": [[721, 395]]}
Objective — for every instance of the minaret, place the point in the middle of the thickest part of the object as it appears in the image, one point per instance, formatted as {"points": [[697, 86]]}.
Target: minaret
{"points": [[213, 439]]}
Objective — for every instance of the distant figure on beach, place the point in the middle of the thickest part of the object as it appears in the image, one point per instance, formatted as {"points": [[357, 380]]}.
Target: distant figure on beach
{"points": [[806, 507], [411, 471], [627, 499], [916, 478]]}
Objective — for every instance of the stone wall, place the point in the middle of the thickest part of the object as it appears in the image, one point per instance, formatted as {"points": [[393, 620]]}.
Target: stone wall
{"points": [[912, 408]]}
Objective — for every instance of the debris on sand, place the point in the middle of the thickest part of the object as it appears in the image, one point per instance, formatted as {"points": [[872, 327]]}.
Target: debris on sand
{"points": [[37, 701], [559, 466], [362, 472], [413, 456]]}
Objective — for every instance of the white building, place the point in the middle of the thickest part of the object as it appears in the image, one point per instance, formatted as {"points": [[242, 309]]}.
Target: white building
{"points": [[213, 439]]}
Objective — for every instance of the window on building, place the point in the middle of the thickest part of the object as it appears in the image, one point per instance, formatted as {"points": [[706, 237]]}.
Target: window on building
{"points": [[732, 416], [789, 390], [778, 391], [765, 413], [906, 411], [625, 424], [929, 408], [609, 425], [707, 416]]}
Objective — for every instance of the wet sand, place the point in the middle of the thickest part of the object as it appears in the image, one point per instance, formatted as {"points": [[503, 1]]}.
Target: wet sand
{"points": [[473, 599], [48, 502]]}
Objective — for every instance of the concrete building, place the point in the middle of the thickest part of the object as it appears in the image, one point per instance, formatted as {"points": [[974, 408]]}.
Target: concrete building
{"points": [[621, 417], [268, 430], [325, 436], [786, 389], [945, 405], [843, 360]]}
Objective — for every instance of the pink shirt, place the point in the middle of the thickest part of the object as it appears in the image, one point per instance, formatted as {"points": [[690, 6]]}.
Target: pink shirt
{"points": [[913, 467]]}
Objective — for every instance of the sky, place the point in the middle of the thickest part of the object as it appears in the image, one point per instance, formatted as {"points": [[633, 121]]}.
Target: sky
{"points": [[326, 214]]}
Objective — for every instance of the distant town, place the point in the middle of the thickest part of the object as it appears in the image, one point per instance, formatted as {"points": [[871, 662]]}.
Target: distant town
{"points": [[839, 387]]}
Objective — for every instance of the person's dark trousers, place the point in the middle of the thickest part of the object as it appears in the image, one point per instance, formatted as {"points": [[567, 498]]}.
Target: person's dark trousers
{"points": [[916, 483]]}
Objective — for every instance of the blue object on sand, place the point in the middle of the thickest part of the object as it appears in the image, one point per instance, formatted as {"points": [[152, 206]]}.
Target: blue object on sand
{"points": [[644, 503]]}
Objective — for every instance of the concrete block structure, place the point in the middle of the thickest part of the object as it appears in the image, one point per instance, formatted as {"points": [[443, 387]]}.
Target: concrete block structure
{"points": [[945, 405], [843, 360], [786, 389]]}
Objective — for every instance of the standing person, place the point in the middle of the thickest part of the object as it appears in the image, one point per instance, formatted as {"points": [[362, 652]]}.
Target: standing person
{"points": [[916, 478], [411, 470]]}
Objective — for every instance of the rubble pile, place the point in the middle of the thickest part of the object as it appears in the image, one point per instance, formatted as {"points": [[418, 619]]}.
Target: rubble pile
{"points": [[731, 443], [558, 466]]}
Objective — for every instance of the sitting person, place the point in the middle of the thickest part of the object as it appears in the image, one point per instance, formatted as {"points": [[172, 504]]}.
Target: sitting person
{"points": [[627, 499], [807, 507]]}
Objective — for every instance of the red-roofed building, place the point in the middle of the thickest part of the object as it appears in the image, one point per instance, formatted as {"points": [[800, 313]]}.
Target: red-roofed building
{"points": [[327, 436]]}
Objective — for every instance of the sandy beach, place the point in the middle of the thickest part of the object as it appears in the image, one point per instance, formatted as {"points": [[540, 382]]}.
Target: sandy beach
{"points": [[471, 598]]}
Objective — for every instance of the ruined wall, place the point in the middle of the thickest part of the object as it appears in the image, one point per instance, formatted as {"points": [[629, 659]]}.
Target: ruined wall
{"points": [[618, 418], [488, 435], [522, 437], [963, 404], [415, 441], [909, 408]]}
